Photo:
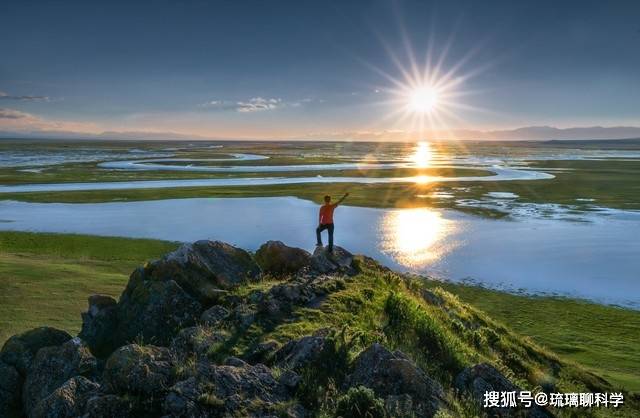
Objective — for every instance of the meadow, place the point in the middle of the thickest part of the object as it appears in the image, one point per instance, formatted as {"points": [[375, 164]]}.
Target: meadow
{"points": [[46, 279]]}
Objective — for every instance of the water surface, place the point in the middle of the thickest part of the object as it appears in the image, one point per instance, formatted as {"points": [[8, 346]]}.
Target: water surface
{"points": [[595, 259]]}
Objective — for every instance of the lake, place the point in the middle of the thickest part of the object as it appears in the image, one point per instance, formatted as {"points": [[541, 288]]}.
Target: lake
{"points": [[594, 258]]}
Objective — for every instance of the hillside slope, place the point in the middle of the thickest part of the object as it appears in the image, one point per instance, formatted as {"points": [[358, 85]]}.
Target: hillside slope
{"points": [[211, 330]]}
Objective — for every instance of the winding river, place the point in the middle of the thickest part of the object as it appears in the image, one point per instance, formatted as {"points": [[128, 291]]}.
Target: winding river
{"points": [[594, 259]]}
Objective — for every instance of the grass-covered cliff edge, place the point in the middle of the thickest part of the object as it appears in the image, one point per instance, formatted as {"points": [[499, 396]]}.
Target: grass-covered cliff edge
{"points": [[212, 330]]}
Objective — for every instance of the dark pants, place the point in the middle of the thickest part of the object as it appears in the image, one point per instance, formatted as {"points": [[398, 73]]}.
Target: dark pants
{"points": [[322, 227]]}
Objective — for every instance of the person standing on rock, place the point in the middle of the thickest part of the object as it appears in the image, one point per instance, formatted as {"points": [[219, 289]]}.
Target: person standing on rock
{"points": [[326, 219]]}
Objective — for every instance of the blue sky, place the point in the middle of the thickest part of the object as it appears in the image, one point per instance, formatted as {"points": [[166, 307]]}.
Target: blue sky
{"points": [[266, 69]]}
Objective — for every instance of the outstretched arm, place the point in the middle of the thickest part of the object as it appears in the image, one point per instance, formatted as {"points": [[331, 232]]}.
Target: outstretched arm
{"points": [[342, 199]]}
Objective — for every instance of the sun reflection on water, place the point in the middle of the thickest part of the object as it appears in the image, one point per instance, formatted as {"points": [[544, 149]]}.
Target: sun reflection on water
{"points": [[415, 237], [422, 156]]}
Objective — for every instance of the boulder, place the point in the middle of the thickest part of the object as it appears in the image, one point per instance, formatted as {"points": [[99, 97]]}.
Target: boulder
{"points": [[139, 370], [301, 291], [297, 354], [214, 315], [99, 325], [110, 406], [242, 390], [243, 315], [196, 342], [476, 380], [391, 375], [340, 260], [204, 268], [53, 366], [10, 387], [263, 352], [154, 310], [20, 349], [276, 258], [67, 401]]}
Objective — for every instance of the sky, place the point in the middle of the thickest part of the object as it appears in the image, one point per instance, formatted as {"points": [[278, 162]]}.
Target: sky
{"points": [[316, 69]]}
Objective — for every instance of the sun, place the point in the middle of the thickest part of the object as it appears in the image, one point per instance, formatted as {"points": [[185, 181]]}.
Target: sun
{"points": [[423, 99]]}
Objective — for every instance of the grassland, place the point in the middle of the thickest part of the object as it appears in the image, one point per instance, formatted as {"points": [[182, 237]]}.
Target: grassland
{"points": [[610, 184], [45, 279]]}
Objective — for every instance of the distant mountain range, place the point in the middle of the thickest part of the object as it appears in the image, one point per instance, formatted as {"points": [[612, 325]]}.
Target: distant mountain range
{"points": [[528, 133]]}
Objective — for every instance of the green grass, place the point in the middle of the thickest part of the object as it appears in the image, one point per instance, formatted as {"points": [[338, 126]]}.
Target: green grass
{"points": [[443, 338], [610, 183], [605, 339], [46, 278]]}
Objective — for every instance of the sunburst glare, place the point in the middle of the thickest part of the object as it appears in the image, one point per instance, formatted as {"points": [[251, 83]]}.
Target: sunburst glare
{"points": [[425, 98]]}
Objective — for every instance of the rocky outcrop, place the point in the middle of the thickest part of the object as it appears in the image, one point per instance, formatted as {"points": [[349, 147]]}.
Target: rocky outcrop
{"points": [[99, 324], [10, 384], [396, 379], [195, 342], [237, 390], [54, 365], [204, 268], [154, 310], [20, 349], [167, 295], [297, 354], [67, 401], [300, 291], [214, 315], [340, 260], [140, 370], [274, 257], [183, 341], [110, 406], [475, 381]]}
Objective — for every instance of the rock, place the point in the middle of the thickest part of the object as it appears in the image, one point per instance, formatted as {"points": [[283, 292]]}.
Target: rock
{"points": [[196, 342], [67, 401], [235, 362], [340, 260], [248, 391], [99, 324], [394, 374], [483, 377], [297, 354], [276, 258], [214, 315], [53, 366], [302, 291], [290, 379], [109, 406], [203, 268], [10, 387], [20, 349], [243, 315], [154, 310], [138, 370], [263, 352]]}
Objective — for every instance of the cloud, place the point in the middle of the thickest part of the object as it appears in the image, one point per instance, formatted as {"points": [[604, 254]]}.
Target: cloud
{"points": [[256, 104], [16, 120], [5, 96], [13, 114]]}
